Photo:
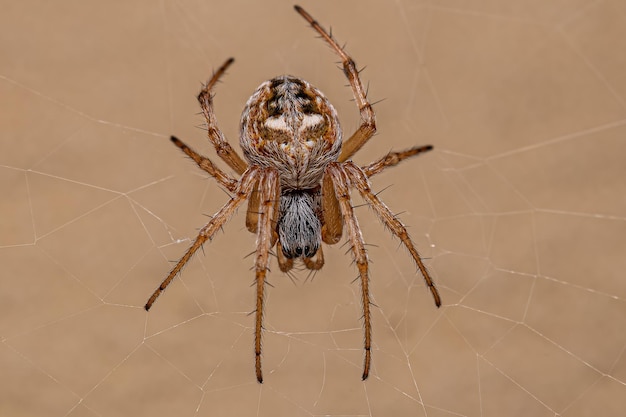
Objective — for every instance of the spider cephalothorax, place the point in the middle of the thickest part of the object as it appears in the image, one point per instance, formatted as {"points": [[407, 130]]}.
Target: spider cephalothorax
{"points": [[297, 181]]}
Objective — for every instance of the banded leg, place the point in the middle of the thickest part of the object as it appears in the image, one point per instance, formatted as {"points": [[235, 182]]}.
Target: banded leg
{"points": [[242, 190], [205, 163], [269, 193], [359, 179], [367, 127], [252, 214], [341, 183], [332, 226], [216, 137]]}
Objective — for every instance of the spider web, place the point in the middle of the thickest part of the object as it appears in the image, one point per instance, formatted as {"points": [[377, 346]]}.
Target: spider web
{"points": [[520, 212]]}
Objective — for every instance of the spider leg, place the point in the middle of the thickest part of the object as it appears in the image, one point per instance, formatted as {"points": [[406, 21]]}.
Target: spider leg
{"points": [[392, 159], [242, 190], [360, 181], [367, 127], [216, 137], [332, 227], [341, 183], [252, 214], [205, 163], [269, 192]]}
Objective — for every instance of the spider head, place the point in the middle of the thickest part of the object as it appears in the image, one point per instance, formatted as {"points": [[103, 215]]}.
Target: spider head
{"points": [[299, 229], [290, 125]]}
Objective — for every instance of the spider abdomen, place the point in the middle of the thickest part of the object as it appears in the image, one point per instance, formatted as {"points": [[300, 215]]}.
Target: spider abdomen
{"points": [[290, 125]]}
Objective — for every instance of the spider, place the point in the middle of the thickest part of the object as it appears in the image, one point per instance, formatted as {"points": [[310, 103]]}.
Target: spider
{"points": [[296, 177]]}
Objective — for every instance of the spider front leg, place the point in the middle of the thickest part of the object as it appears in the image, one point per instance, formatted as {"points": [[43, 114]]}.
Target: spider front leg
{"points": [[341, 183], [242, 191], [216, 137], [367, 127]]}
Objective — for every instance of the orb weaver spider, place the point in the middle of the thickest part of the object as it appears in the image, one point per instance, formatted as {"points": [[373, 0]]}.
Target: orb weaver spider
{"points": [[296, 178]]}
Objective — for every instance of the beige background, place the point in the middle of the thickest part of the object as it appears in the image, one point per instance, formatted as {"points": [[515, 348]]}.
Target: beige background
{"points": [[520, 210]]}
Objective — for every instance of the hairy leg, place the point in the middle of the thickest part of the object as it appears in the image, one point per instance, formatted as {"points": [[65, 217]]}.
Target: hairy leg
{"points": [[242, 190], [360, 181], [393, 159], [269, 191], [332, 226], [205, 164], [367, 128], [216, 137], [341, 183]]}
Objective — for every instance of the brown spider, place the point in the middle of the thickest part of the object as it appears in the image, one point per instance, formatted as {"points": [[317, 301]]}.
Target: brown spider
{"points": [[297, 180]]}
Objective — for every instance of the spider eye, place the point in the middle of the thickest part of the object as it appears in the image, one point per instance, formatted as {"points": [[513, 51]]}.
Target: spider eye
{"points": [[298, 251]]}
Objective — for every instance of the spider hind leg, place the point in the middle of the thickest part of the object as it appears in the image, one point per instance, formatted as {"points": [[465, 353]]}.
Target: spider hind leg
{"points": [[341, 183], [242, 191], [358, 179]]}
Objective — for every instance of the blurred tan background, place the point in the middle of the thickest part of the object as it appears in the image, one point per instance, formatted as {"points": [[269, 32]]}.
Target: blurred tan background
{"points": [[520, 211]]}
